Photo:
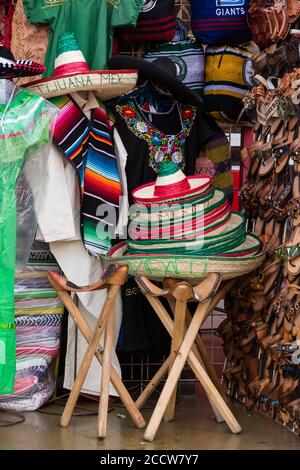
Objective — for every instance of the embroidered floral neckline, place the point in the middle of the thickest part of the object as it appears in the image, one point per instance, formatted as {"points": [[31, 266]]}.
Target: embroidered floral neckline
{"points": [[162, 147]]}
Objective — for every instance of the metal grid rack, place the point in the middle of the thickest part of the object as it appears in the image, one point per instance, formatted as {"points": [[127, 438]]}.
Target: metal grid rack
{"points": [[139, 367]]}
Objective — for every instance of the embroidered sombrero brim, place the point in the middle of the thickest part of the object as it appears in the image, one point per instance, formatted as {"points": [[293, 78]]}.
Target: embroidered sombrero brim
{"points": [[106, 84], [238, 262], [21, 68], [145, 194]]}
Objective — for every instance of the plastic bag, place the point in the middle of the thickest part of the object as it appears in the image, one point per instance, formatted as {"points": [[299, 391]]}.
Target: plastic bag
{"points": [[26, 121], [29, 191]]}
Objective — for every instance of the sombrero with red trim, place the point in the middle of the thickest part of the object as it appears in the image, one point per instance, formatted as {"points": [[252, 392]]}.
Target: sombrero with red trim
{"points": [[72, 74], [171, 185], [13, 68], [187, 220]]}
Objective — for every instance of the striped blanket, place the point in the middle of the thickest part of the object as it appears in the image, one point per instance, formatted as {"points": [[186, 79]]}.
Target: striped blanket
{"points": [[88, 146], [39, 314]]}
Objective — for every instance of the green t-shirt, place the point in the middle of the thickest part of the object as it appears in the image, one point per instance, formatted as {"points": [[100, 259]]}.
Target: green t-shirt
{"points": [[92, 21]]}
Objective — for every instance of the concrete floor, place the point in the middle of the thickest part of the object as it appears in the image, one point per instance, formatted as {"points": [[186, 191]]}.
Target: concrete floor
{"points": [[193, 428]]}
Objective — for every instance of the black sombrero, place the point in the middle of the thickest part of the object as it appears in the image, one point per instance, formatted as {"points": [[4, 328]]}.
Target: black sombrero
{"points": [[12, 68], [162, 71]]}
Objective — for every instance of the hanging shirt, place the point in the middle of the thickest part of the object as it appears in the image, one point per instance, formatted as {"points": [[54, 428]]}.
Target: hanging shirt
{"points": [[148, 136], [25, 120], [91, 20], [179, 132]]}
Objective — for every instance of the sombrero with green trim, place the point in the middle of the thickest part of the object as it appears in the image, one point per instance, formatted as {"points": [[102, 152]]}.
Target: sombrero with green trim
{"points": [[207, 240], [236, 262], [212, 200], [190, 220]]}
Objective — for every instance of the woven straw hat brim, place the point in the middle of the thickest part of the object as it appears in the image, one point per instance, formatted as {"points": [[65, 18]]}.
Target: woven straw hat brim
{"points": [[253, 244], [194, 232], [106, 84], [197, 247], [145, 194], [194, 267], [21, 68]]}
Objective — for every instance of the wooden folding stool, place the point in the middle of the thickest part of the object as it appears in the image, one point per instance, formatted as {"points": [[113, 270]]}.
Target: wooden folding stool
{"points": [[112, 278], [186, 346]]}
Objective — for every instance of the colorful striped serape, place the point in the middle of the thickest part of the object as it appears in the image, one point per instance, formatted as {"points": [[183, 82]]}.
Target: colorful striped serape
{"points": [[88, 146]]}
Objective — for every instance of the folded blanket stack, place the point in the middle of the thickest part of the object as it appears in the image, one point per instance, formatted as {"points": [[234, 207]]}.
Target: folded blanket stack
{"points": [[39, 314]]}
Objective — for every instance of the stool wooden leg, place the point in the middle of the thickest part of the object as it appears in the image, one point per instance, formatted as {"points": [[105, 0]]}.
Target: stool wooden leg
{"points": [[105, 378], [157, 378], [86, 331], [216, 413], [201, 359], [127, 401], [177, 337], [205, 359], [88, 356], [174, 374], [149, 389], [215, 397], [202, 351]]}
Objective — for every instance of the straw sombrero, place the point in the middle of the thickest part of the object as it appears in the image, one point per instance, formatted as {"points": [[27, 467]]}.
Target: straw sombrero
{"points": [[183, 230], [236, 262], [176, 208], [12, 68], [72, 74]]}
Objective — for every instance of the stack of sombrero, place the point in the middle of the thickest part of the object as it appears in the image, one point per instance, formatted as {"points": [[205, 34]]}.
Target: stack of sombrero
{"points": [[183, 227]]}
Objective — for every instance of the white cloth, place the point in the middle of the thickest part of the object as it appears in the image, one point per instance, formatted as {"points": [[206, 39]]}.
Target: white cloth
{"points": [[121, 156], [59, 209], [83, 269], [59, 224]]}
